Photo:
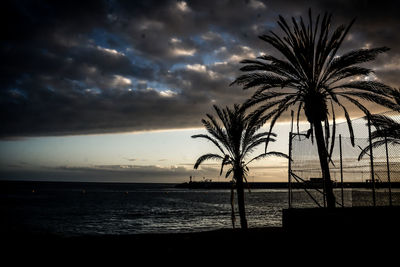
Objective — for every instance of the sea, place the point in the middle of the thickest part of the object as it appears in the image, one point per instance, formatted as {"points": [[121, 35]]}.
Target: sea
{"points": [[73, 209]]}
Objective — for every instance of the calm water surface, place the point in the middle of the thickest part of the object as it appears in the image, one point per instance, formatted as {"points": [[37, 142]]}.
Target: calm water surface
{"points": [[84, 208]]}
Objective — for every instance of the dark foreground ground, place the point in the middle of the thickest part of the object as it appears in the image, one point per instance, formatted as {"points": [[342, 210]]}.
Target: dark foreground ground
{"points": [[225, 245], [313, 236]]}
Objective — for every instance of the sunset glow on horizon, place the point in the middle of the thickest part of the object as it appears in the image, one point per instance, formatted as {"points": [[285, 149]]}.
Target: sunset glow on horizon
{"points": [[165, 156]]}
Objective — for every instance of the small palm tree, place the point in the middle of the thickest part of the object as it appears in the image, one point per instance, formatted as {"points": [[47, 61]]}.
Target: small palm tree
{"points": [[235, 139], [313, 78], [387, 130]]}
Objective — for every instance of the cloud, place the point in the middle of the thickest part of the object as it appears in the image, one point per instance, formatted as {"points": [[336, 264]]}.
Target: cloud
{"points": [[106, 173], [120, 81], [112, 66], [183, 52], [257, 4], [182, 6], [196, 67]]}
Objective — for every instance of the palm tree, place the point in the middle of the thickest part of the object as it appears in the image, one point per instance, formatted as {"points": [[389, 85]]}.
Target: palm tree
{"points": [[312, 77], [235, 139], [387, 130]]}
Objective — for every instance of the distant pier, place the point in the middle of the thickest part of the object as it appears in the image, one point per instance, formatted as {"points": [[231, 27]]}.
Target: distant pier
{"points": [[275, 185]]}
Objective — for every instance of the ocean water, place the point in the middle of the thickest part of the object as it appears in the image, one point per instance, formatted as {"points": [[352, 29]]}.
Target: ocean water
{"points": [[94, 208]]}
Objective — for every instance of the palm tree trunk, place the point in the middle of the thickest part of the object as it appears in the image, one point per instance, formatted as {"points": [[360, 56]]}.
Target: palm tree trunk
{"points": [[240, 195], [323, 160]]}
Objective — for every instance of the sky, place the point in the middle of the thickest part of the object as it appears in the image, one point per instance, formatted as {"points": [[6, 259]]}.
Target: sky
{"points": [[113, 90]]}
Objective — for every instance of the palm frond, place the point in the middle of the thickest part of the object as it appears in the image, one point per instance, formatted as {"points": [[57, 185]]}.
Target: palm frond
{"points": [[260, 96], [376, 144], [250, 80], [351, 58], [349, 124], [395, 93], [298, 117], [225, 161], [249, 148], [228, 172], [375, 98], [283, 65], [385, 126], [279, 45], [367, 86], [345, 73], [357, 104], [216, 131], [258, 65], [333, 131], [327, 132], [268, 154], [366, 150], [207, 157]]}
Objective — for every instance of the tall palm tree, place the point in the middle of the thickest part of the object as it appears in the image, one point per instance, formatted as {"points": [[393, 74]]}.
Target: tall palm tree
{"points": [[236, 138], [312, 77]]}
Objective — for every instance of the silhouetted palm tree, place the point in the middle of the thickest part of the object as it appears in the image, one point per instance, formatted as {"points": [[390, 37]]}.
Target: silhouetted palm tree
{"points": [[312, 77], [386, 129], [235, 139]]}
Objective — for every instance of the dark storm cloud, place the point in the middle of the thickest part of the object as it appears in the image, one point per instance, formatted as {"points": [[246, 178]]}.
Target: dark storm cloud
{"points": [[77, 67]]}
